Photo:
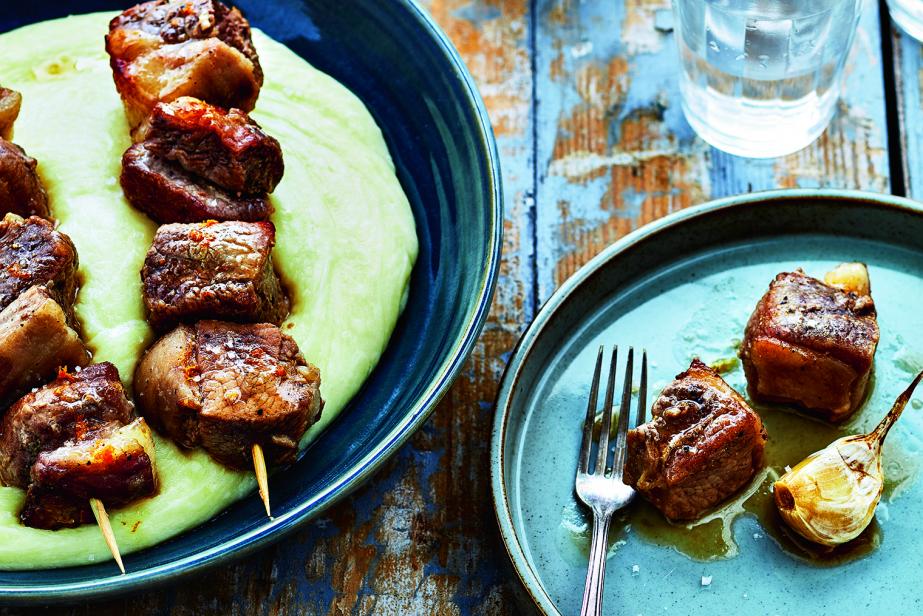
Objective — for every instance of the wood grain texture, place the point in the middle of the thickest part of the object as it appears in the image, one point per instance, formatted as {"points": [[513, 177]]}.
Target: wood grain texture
{"points": [[584, 100], [614, 150], [908, 64]]}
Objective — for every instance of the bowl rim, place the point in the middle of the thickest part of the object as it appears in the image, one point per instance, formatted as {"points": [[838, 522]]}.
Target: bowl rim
{"points": [[514, 370], [275, 529]]}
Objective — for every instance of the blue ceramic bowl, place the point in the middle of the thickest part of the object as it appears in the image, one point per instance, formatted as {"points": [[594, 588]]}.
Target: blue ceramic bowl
{"points": [[396, 59]]}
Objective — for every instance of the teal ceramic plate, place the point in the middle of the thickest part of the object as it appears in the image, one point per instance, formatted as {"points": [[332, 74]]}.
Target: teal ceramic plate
{"points": [[684, 287]]}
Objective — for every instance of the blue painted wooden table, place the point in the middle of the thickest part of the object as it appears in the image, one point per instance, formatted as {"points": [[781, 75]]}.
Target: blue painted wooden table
{"points": [[584, 101]]}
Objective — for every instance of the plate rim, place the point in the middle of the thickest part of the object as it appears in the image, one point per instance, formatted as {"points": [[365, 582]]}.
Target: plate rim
{"points": [[526, 343], [239, 546]]}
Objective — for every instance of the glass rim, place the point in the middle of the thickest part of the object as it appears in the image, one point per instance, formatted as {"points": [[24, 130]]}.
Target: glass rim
{"points": [[762, 17]]}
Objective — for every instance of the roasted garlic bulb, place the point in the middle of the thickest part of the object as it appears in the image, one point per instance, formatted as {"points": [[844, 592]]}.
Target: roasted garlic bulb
{"points": [[830, 496], [850, 277]]}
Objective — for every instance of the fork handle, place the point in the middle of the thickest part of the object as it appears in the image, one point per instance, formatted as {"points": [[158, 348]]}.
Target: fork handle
{"points": [[596, 571]]}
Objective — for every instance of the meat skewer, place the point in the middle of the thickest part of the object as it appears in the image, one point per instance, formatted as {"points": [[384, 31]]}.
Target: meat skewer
{"points": [[105, 526], [69, 444], [72, 445], [215, 270], [188, 74], [262, 479]]}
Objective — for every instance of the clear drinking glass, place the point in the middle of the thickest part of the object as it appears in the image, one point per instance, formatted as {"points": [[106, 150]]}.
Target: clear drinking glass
{"points": [[909, 15], [761, 78]]}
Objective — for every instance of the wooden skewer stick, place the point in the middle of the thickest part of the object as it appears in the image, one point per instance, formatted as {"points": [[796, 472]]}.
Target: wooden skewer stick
{"points": [[102, 518], [259, 466]]}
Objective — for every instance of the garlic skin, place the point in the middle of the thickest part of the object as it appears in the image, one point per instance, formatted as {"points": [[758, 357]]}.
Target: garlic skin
{"points": [[850, 277], [830, 497]]}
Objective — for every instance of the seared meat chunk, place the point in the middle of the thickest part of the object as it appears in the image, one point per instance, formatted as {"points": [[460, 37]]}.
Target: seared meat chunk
{"points": [[811, 344], [68, 441], [10, 102], [75, 406], [212, 270], [35, 340], [165, 49], [167, 193], [32, 252], [226, 386], [117, 467], [225, 147], [21, 190], [51, 510], [703, 444]]}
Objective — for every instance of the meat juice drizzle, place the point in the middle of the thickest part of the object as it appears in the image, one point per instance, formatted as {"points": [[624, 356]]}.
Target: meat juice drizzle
{"points": [[792, 437]]}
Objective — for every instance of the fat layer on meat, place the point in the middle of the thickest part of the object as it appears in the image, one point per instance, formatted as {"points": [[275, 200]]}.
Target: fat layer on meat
{"points": [[10, 102], [116, 467], [35, 340], [165, 49]]}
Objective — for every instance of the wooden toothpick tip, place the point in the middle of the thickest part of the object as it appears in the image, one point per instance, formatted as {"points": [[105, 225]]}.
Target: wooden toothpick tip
{"points": [[259, 467], [102, 518]]}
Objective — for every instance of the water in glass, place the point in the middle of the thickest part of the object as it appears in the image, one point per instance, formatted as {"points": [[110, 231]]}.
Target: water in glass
{"points": [[761, 77]]}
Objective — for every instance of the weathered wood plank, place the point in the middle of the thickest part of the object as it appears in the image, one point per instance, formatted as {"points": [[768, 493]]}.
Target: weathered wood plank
{"points": [[908, 64], [613, 148], [420, 537]]}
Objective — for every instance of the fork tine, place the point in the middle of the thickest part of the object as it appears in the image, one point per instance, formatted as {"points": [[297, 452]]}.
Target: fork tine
{"points": [[590, 416], [621, 435], [642, 390], [602, 455]]}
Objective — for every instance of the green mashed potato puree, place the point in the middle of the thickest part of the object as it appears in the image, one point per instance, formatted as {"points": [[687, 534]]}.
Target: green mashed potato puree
{"points": [[346, 243]]}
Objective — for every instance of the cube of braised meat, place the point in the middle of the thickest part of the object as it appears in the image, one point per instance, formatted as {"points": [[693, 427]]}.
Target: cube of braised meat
{"points": [[35, 340], [116, 467], [810, 344], [225, 147], [226, 387], [75, 406], [51, 510], [10, 102], [32, 253], [212, 270], [167, 193], [165, 49], [21, 190], [703, 444]]}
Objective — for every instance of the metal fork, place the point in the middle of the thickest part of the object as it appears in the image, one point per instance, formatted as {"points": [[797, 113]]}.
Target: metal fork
{"points": [[600, 487]]}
